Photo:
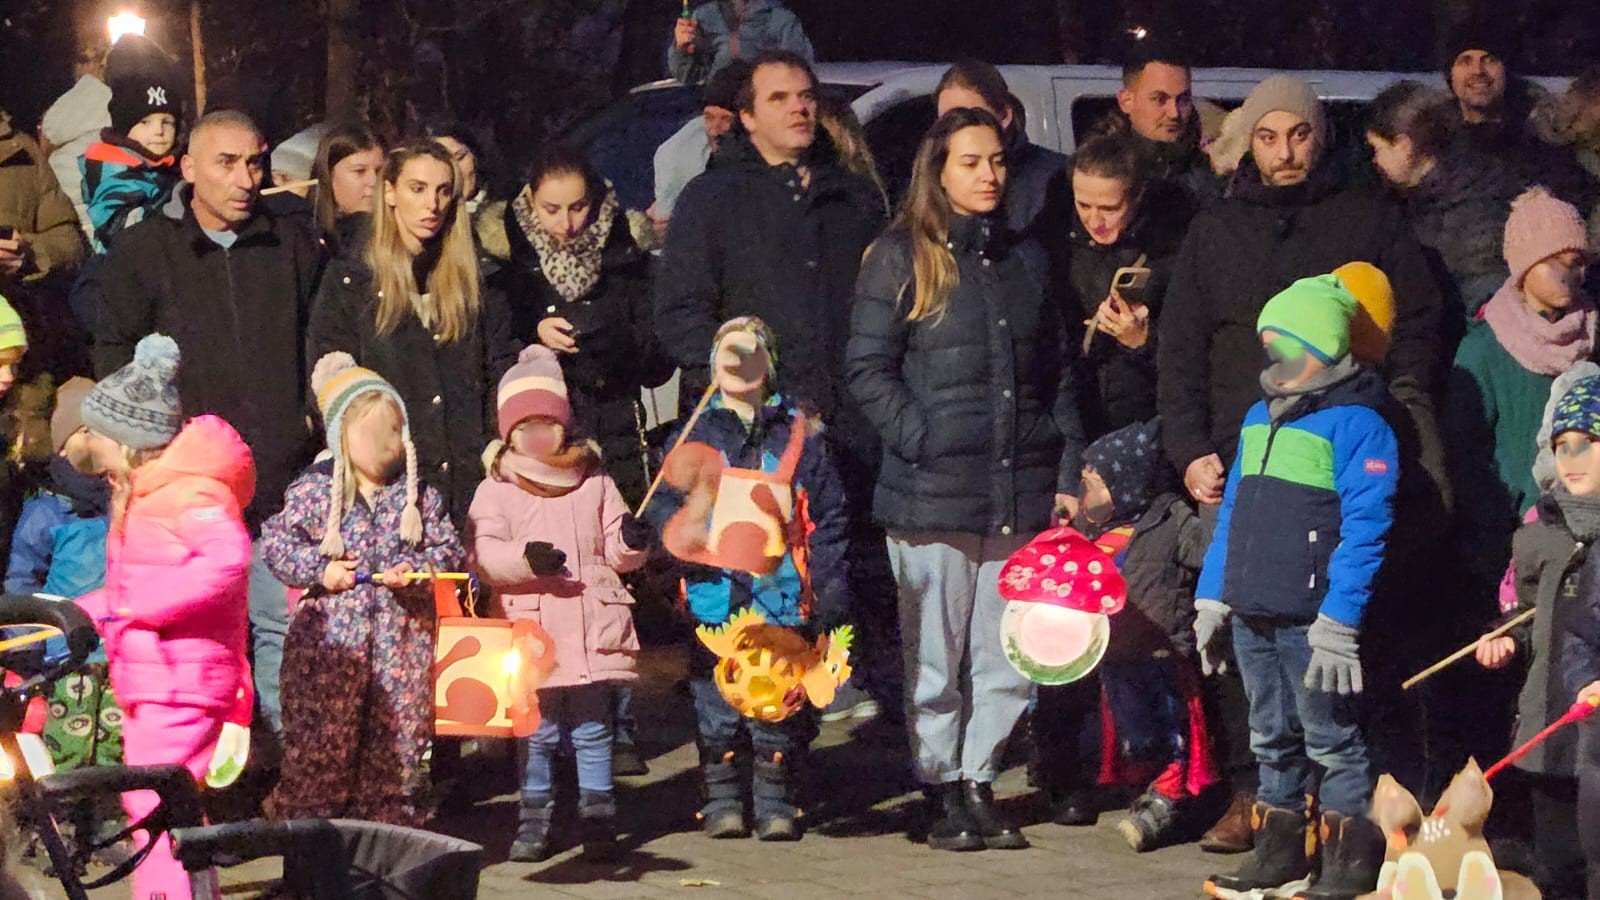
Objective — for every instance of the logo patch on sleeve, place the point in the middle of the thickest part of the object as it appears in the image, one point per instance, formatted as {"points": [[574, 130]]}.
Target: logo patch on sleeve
{"points": [[1376, 467]]}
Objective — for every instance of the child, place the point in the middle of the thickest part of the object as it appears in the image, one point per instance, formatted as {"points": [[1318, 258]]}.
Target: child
{"points": [[1536, 326], [752, 426], [1302, 531], [1548, 554], [1578, 459], [60, 543], [131, 170], [551, 534], [172, 613], [358, 658]]}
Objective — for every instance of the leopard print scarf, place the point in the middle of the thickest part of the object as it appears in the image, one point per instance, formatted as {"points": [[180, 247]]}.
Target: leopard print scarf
{"points": [[572, 268]]}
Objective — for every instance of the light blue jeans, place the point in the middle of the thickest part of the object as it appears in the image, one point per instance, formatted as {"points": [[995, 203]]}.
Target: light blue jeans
{"points": [[962, 697], [269, 623], [579, 715]]}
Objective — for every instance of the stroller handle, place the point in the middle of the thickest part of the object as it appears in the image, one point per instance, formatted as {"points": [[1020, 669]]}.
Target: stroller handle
{"points": [[205, 846], [73, 622]]}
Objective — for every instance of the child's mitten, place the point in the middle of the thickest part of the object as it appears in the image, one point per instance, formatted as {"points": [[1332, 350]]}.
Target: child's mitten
{"points": [[1335, 658], [637, 533], [543, 558], [1211, 635]]}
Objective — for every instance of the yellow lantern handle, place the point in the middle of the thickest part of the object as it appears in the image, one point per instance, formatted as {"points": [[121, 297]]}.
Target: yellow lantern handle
{"points": [[45, 633]]}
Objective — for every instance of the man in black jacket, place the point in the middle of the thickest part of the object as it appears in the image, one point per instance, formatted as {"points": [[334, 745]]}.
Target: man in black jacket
{"points": [[1155, 107], [232, 284]]}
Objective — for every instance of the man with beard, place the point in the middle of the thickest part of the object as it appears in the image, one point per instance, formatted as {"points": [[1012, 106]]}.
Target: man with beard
{"points": [[1289, 217]]}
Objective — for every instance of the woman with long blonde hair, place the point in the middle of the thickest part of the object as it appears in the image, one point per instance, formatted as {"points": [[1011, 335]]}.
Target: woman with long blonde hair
{"points": [[409, 303], [960, 361]]}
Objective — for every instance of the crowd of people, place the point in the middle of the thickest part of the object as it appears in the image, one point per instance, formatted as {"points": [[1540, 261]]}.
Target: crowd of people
{"points": [[1333, 408]]}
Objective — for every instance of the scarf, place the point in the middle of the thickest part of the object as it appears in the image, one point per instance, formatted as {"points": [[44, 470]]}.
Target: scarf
{"points": [[1582, 514], [555, 475], [1280, 399], [90, 495], [573, 267], [1536, 343]]}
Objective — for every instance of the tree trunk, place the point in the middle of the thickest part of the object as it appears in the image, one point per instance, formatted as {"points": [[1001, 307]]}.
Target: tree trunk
{"points": [[198, 48], [339, 99]]}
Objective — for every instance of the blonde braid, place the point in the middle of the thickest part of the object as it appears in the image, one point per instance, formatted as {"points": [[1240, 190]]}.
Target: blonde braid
{"points": [[411, 519], [332, 542]]}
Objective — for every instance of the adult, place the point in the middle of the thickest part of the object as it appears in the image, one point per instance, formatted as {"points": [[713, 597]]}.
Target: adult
{"points": [[1455, 198], [1288, 217], [38, 226], [74, 121], [472, 188], [1036, 181], [718, 32], [578, 284], [961, 363], [346, 166], [1573, 120], [232, 283], [1156, 109], [407, 302], [1496, 109], [684, 155]]}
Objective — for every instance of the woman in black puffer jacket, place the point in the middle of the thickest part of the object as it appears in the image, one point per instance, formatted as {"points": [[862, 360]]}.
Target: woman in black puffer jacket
{"points": [[961, 364], [578, 284]]}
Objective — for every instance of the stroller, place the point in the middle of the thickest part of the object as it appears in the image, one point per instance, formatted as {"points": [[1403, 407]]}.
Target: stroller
{"points": [[322, 859]]}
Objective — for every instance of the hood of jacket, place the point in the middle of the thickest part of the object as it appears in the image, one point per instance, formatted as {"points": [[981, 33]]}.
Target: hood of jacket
{"points": [[206, 452]]}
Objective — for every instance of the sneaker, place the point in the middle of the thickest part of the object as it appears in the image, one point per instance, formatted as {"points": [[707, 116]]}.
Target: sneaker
{"points": [[851, 702]]}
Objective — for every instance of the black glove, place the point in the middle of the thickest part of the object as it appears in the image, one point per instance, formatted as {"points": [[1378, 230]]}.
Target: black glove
{"points": [[543, 558], [637, 533]]}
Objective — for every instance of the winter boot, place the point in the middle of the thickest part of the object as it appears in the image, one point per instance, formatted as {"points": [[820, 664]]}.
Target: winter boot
{"points": [[1232, 832], [626, 760], [1352, 853], [597, 813], [1279, 859], [1151, 822], [1074, 807], [771, 790], [950, 825], [722, 816], [532, 842], [998, 834]]}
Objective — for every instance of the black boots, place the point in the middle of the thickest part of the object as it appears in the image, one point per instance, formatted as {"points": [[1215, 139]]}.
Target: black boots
{"points": [[998, 834], [1280, 855], [950, 825], [1152, 821], [722, 816], [597, 828], [1075, 807], [532, 842], [777, 818], [1352, 854]]}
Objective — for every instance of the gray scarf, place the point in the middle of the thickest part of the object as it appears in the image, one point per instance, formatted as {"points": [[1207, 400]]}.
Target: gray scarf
{"points": [[1280, 399], [1582, 515]]}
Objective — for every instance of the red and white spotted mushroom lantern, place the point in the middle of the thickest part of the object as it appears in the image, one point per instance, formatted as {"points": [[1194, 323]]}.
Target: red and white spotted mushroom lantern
{"points": [[1060, 590]]}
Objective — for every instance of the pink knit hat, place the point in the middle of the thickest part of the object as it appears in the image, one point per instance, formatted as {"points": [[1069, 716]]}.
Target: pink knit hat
{"points": [[533, 387], [1539, 227]]}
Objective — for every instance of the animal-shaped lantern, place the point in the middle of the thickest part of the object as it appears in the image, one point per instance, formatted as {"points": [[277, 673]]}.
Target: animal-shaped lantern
{"points": [[734, 518], [1443, 854], [767, 671], [1061, 588], [487, 672]]}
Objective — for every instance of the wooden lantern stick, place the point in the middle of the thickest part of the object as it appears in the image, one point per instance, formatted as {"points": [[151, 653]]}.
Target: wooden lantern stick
{"points": [[1457, 656], [682, 436]]}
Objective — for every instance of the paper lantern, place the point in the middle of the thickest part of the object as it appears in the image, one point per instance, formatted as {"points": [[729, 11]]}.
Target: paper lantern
{"points": [[767, 672], [731, 517], [1060, 589], [486, 676]]}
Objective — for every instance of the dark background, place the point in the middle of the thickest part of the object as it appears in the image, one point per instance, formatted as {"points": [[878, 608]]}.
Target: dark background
{"points": [[521, 71]]}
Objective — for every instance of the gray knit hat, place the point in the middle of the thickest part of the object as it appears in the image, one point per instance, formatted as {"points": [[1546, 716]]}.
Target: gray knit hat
{"points": [[137, 405], [1284, 93]]}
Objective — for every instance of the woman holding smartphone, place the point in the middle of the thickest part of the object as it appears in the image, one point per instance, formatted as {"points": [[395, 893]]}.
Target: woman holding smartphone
{"points": [[1123, 238]]}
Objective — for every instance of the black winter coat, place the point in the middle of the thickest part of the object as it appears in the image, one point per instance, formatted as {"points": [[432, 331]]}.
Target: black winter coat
{"points": [[1458, 213], [617, 349], [239, 317], [976, 411], [449, 389], [1530, 159], [1038, 188], [747, 239], [1118, 385], [1243, 250], [1161, 564]]}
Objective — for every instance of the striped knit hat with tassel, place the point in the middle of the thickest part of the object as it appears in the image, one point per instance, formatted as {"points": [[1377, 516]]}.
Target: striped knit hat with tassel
{"points": [[337, 381]]}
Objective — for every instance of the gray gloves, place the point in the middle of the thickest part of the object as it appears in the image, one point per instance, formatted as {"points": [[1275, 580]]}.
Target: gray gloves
{"points": [[1211, 635], [1335, 664]]}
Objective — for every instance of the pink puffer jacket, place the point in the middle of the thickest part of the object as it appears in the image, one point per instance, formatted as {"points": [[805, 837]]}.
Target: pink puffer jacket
{"points": [[586, 609], [173, 612]]}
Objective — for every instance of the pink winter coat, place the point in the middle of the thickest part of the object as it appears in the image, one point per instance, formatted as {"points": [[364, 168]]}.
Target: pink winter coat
{"points": [[586, 610], [173, 612]]}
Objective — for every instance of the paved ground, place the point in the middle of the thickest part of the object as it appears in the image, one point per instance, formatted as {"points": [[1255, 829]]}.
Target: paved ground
{"points": [[856, 845]]}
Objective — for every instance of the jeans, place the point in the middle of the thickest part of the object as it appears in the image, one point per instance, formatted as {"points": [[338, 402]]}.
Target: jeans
{"points": [[722, 728], [1292, 726], [269, 624], [962, 696], [580, 716]]}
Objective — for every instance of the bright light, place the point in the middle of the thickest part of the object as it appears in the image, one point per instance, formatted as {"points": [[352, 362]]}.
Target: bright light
{"points": [[511, 662], [1139, 32], [124, 23]]}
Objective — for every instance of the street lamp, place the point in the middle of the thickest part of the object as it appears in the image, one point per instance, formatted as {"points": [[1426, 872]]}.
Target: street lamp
{"points": [[124, 23]]}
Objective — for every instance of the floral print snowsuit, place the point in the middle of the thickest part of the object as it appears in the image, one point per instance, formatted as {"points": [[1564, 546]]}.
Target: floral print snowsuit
{"points": [[358, 665]]}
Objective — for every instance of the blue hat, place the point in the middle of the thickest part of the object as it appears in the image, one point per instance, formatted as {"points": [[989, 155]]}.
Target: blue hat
{"points": [[1578, 409], [1126, 460]]}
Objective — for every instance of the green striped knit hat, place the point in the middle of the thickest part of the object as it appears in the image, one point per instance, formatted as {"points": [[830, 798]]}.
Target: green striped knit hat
{"points": [[12, 334], [336, 380], [1315, 312]]}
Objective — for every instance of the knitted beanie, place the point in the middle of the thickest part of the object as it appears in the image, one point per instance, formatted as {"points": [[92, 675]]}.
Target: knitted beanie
{"points": [[12, 334], [1539, 227], [1283, 93], [336, 381], [137, 405], [1314, 311], [1374, 319], [764, 337], [1578, 409], [68, 415], [141, 93], [532, 387], [1485, 33]]}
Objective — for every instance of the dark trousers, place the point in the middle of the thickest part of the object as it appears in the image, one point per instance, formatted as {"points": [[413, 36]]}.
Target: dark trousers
{"points": [[1589, 801], [1066, 735]]}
